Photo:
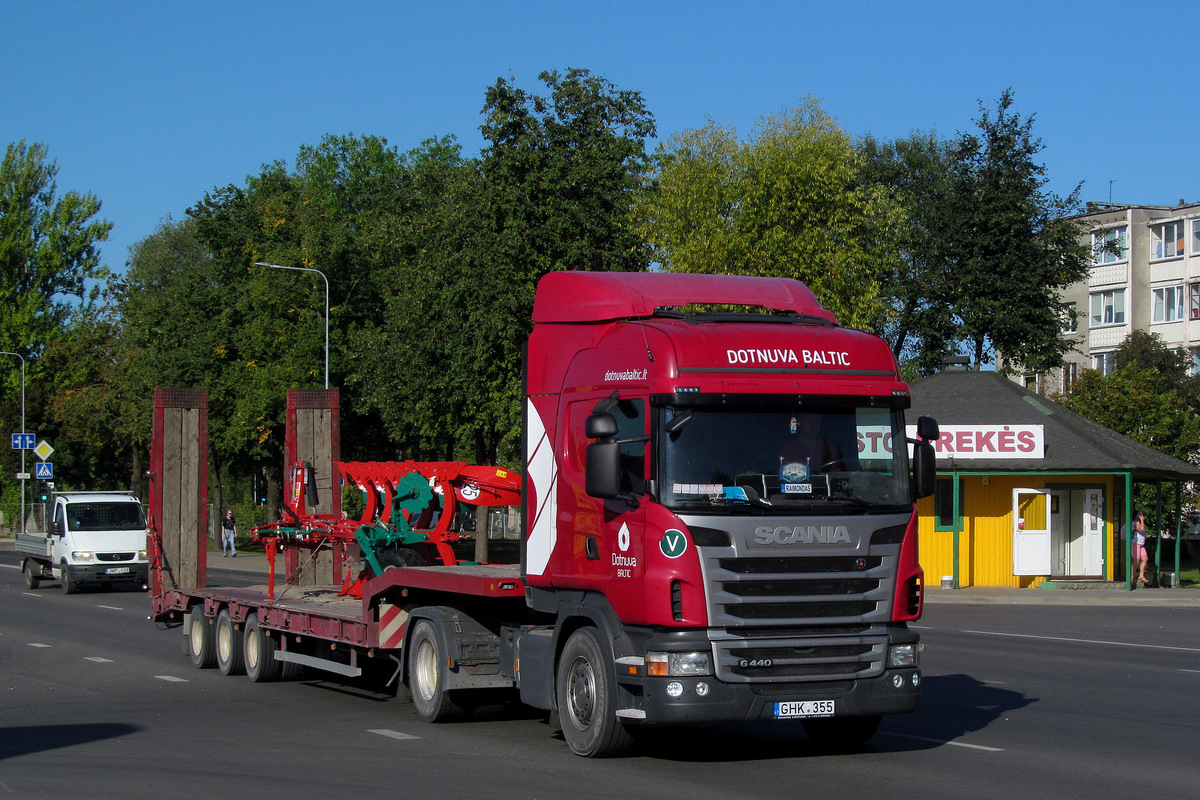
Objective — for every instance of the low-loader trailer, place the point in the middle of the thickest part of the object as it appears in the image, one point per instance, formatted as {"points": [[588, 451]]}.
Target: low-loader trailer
{"points": [[719, 525]]}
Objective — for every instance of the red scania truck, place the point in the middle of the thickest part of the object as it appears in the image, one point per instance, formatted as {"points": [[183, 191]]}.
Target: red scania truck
{"points": [[718, 505]]}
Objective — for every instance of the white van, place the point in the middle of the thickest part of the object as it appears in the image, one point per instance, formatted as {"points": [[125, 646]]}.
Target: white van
{"points": [[93, 538]]}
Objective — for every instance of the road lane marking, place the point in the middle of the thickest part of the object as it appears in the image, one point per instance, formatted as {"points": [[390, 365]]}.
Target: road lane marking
{"points": [[171, 679], [1088, 641], [392, 734], [943, 741], [111, 608], [10, 566], [40, 644], [98, 659]]}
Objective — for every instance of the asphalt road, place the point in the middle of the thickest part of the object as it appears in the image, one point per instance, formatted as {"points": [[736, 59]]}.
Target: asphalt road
{"points": [[1091, 698]]}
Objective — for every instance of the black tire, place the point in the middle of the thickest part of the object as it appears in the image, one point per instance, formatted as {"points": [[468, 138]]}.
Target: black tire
{"points": [[427, 678], [585, 689], [258, 652], [400, 557], [229, 645], [841, 733], [33, 574], [201, 641], [69, 586]]}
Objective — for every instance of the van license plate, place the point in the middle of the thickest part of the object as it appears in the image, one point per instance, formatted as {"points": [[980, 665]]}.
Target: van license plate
{"points": [[797, 709], [117, 571]]}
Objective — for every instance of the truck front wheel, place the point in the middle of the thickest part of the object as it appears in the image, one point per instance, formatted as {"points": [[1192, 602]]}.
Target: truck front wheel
{"points": [[587, 706], [33, 574], [426, 681], [201, 640], [229, 646]]}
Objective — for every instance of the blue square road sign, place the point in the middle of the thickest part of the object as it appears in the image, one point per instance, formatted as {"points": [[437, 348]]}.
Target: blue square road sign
{"points": [[44, 471]]}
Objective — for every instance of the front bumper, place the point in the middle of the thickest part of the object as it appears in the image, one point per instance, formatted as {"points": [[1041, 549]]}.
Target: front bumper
{"points": [[110, 573], [649, 700]]}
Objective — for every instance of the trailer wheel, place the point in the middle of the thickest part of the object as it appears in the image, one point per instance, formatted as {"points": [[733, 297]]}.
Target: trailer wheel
{"points": [[842, 733], [259, 652], [33, 574], [200, 640], [586, 694], [229, 646], [426, 679], [69, 586]]}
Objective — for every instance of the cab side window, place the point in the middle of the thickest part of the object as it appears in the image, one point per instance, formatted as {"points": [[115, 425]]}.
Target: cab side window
{"points": [[631, 422]]}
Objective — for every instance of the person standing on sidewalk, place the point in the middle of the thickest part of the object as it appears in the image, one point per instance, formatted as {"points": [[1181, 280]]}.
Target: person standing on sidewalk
{"points": [[228, 531], [1140, 557]]}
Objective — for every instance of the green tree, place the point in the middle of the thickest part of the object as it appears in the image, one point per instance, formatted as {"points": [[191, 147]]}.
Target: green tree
{"points": [[1012, 245], [789, 201], [918, 287]]}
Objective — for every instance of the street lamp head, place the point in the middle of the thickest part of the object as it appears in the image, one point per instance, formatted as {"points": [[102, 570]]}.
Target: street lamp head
{"points": [[322, 274]]}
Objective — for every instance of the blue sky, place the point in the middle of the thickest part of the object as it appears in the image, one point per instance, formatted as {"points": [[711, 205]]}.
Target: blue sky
{"points": [[148, 105]]}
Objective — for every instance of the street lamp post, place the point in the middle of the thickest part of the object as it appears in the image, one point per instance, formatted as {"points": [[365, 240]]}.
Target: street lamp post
{"points": [[18, 355], [322, 274]]}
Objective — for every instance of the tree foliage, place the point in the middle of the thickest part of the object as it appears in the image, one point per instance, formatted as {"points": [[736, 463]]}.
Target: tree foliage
{"points": [[789, 201]]}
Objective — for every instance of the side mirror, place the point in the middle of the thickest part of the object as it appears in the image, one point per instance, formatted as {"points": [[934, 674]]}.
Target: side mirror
{"points": [[600, 425], [602, 470], [927, 428], [924, 468]]}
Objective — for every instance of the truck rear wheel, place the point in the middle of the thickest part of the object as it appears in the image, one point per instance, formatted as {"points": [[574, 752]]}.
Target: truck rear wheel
{"points": [[259, 652], [426, 680], [586, 694], [201, 640], [229, 646], [842, 733], [33, 574]]}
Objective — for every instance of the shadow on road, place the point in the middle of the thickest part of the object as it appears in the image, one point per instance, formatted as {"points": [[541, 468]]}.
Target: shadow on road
{"points": [[22, 741]]}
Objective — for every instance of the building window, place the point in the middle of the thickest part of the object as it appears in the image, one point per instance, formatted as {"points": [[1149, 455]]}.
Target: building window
{"points": [[1103, 363], [1070, 374], [1168, 304], [1166, 240], [943, 505], [1108, 308], [1196, 237], [1194, 300], [1110, 246], [1069, 318], [1195, 351]]}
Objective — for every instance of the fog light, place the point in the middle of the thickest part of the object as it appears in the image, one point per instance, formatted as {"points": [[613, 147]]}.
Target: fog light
{"points": [[702, 689], [916, 679], [897, 681], [674, 689], [903, 655]]}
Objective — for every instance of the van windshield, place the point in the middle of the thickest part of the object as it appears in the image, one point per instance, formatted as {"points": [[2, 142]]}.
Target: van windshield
{"points": [[122, 516]]}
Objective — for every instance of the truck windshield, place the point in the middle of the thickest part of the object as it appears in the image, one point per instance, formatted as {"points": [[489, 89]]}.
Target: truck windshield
{"points": [[105, 516], [771, 461]]}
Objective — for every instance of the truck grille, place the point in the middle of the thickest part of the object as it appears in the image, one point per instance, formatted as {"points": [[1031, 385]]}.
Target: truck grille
{"points": [[792, 615], [114, 556]]}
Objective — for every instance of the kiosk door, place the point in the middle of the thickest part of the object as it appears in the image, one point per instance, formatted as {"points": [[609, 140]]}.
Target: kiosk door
{"points": [[1031, 532]]}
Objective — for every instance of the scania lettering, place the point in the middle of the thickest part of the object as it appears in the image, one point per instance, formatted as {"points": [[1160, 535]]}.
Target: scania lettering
{"points": [[716, 528]]}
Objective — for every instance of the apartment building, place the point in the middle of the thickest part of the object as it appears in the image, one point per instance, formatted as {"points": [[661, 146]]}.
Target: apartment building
{"points": [[1145, 275]]}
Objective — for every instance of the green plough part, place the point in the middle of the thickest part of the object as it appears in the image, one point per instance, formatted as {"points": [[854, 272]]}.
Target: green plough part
{"points": [[413, 496]]}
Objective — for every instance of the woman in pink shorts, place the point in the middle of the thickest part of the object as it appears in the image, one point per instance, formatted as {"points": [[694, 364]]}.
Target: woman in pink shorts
{"points": [[1140, 558]]}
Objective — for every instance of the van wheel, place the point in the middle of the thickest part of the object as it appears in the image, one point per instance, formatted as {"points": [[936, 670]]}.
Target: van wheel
{"points": [[259, 652], [586, 694], [201, 644], [426, 679], [229, 645], [33, 574], [69, 586]]}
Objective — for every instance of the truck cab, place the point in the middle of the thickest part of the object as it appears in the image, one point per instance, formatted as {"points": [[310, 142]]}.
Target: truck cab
{"points": [[97, 538]]}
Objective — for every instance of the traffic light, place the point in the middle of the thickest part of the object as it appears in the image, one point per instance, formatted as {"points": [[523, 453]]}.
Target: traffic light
{"points": [[44, 491]]}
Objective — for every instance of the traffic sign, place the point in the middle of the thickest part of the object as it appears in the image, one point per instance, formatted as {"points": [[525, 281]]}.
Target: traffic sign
{"points": [[23, 476], [43, 450], [44, 471], [23, 441]]}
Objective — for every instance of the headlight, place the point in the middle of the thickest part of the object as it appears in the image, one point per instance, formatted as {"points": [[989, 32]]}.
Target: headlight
{"points": [[141, 556], [82, 555], [678, 664], [904, 655]]}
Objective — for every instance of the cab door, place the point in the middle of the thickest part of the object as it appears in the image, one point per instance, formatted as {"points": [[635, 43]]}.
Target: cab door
{"points": [[1031, 531]]}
